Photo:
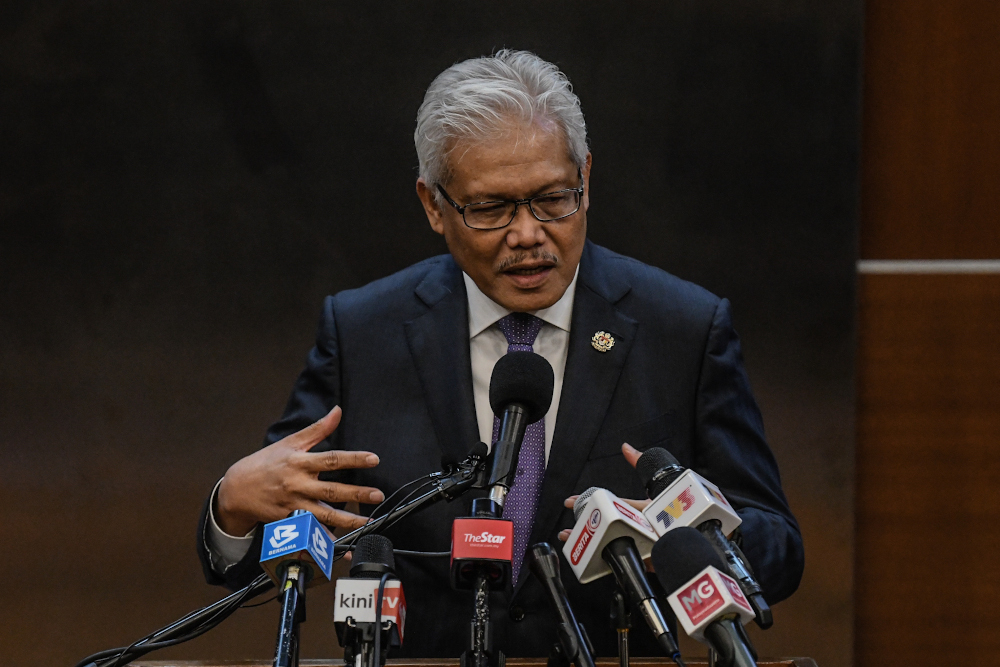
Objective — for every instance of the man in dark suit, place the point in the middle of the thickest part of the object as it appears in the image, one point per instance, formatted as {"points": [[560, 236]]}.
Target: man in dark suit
{"points": [[399, 374]]}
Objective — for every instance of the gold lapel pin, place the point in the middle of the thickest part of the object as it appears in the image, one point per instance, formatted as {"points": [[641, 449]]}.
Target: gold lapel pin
{"points": [[602, 341]]}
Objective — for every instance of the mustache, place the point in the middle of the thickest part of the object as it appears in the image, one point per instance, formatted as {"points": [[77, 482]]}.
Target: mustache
{"points": [[523, 255]]}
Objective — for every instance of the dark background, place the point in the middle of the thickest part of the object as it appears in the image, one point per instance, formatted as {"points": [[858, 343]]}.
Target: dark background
{"points": [[182, 182]]}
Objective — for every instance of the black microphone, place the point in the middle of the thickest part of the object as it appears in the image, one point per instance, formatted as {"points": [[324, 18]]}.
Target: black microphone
{"points": [[520, 394], [707, 602], [659, 470], [622, 556], [369, 607], [544, 564]]}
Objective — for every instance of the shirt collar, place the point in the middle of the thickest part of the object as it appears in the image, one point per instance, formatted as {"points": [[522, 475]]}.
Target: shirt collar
{"points": [[484, 311]]}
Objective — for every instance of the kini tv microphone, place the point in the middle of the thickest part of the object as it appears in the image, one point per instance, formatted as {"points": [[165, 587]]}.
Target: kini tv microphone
{"points": [[576, 647], [365, 628], [611, 536], [708, 603], [685, 498], [520, 394]]}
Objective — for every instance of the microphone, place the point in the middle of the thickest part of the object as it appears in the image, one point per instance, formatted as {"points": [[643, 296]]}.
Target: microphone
{"points": [[685, 498], [608, 526], [576, 646], [369, 611], [295, 549], [520, 394], [708, 603]]}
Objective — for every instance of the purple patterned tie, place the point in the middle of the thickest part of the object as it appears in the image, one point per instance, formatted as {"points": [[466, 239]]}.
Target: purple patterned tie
{"points": [[520, 330]]}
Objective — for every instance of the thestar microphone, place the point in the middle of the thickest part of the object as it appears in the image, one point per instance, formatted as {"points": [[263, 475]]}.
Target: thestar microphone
{"points": [[611, 536], [544, 564], [369, 611], [708, 603], [520, 394], [685, 498]]}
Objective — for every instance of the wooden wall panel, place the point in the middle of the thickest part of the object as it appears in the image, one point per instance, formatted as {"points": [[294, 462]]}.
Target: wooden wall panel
{"points": [[931, 148], [928, 461]]}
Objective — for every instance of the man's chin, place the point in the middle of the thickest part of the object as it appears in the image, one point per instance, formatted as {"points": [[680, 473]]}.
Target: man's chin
{"points": [[529, 300]]}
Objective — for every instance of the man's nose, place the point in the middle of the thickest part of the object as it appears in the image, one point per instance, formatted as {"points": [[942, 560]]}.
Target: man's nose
{"points": [[525, 230]]}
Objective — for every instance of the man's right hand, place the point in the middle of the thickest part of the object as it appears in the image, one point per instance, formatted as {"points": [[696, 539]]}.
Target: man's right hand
{"points": [[269, 484]]}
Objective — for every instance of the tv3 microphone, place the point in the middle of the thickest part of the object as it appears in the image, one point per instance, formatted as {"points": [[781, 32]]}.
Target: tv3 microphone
{"points": [[708, 603], [685, 498], [520, 394], [356, 603], [299, 538], [610, 536], [544, 564]]}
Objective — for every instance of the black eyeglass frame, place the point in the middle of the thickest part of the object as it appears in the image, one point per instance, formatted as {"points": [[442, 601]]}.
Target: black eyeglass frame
{"points": [[517, 203]]}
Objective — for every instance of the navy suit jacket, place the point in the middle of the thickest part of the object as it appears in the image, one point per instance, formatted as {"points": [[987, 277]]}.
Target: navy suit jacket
{"points": [[395, 355]]}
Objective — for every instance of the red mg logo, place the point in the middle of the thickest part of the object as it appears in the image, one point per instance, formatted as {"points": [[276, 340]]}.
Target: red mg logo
{"points": [[700, 599]]}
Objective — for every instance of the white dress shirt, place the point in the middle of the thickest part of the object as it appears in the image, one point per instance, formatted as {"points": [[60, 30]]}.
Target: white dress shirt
{"points": [[486, 345]]}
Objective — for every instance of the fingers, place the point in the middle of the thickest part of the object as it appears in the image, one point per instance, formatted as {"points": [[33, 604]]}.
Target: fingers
{"points": [[564, 534], [335, 492], [317, 431], [337, 459], [638, 504], [631, 454], [334, 518], [569, 502]]}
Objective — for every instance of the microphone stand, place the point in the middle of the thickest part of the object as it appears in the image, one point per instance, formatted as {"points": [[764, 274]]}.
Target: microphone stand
{"points": [[480, 652], [293, 612], [621, 621]]}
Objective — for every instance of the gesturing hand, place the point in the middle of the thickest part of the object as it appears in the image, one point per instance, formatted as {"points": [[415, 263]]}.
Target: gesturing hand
{"points": [[631, 455], [272, 482]]}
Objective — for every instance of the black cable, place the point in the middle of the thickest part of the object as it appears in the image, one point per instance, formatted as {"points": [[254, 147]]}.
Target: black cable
{"points": [[424, 554], [378, 620]]}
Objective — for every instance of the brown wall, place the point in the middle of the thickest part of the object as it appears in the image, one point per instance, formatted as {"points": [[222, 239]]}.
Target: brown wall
{"points": [[928, 469]]}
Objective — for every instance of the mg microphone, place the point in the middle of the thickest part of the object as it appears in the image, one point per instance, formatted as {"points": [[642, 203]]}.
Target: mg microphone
{"points": [[685, 498], [708, 603], [365, 628], [576, 646], [520, 394], [610, 527]]}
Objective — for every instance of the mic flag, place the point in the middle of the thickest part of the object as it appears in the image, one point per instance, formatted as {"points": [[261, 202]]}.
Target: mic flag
{"points": [[602, 517], [300, 538], [690, 501]]}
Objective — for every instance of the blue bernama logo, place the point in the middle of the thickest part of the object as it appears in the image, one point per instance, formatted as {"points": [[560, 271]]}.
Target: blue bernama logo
{"points": [[296, 534]]}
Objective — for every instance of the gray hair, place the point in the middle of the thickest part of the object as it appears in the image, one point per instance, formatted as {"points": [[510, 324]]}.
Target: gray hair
{"points": [[476, 98]]}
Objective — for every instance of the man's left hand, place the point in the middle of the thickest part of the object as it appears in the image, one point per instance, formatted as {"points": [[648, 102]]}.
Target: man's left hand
{"points": [[632, 456]]}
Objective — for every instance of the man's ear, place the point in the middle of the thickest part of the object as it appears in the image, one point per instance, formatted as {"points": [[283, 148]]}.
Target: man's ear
{"points": [[431, 207], [586, 181]]}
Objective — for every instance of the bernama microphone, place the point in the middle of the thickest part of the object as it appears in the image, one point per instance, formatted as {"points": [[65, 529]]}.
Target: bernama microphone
{"points": [[708, 603], [573, 640], [294, 553], [365, 631], [611, 536], [685, 498], [520, 394]]}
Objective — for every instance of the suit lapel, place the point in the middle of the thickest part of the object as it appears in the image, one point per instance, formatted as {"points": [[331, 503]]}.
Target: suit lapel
{"points": [[439, 345], [588, 385]]}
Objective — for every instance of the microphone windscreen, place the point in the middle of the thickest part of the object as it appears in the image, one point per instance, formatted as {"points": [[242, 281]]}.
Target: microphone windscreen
{"points": [[581, 502], [653, 460], [680, 554], [372, 557], [479, 450], [525, 378]]}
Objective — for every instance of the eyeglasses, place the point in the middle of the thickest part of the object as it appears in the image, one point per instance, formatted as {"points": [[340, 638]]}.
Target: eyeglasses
{"points": [[498, 214]]}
